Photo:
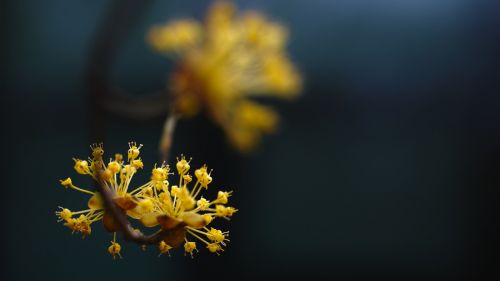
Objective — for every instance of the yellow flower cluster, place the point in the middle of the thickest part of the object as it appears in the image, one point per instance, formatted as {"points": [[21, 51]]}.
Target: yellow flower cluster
{"points": [[178, 209], [222, 62]]}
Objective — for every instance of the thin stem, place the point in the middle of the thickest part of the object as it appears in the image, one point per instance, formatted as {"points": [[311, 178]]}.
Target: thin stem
{"points": [[82, 190], [167, 137]]}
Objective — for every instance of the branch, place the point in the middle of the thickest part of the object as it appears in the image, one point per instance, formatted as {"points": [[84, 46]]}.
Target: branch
{"points": [[104, 98]]}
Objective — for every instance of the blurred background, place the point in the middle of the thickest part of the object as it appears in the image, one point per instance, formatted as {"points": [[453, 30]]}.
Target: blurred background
{"points": [[387, 167]]}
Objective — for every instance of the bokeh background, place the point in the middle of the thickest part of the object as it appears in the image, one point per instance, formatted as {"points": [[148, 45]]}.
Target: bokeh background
{"points": [[387, 167]]}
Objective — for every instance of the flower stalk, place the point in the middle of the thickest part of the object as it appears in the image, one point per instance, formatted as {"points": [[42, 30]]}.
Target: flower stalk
{"points": [[166, 138]]}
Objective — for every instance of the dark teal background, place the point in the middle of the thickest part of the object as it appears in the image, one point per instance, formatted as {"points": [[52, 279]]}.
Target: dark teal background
{"points": [[387, 167]]}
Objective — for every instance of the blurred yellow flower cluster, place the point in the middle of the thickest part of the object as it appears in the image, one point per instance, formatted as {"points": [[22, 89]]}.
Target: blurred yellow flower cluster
{"points": [[224, 61], [178, 209]]}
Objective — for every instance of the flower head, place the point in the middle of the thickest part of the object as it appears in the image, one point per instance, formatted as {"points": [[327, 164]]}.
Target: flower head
{"points": [[179, 209], [223, 62]]}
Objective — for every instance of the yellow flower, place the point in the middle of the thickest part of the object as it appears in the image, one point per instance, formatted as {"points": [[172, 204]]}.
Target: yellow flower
{"points": [[202, 204], [119, 157], [182, 165], [222, 211], [222, 197], [97, 150], [64, 214], [224, 62], [203, 176], [133, 151], [216, 235], [66, 183], [214, 248], [178, 209], [190, 247], [164, 248], [114, 167], [81, 166], [137, 164], [115, 248]]}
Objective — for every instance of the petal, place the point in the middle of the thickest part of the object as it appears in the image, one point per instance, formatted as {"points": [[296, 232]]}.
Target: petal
{"points": [[134, 213], [193, 219], [149, 220], [125, 202], [110, 223], [95, 202], [175, 237], [168, 222]]}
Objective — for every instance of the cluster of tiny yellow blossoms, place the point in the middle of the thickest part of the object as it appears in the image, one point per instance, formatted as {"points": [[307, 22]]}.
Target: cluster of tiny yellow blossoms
{"points": [[178, 209], [222, 62]]}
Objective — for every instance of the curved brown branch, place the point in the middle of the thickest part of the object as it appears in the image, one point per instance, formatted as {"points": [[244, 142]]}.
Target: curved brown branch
{"points": [[103, 98]]}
